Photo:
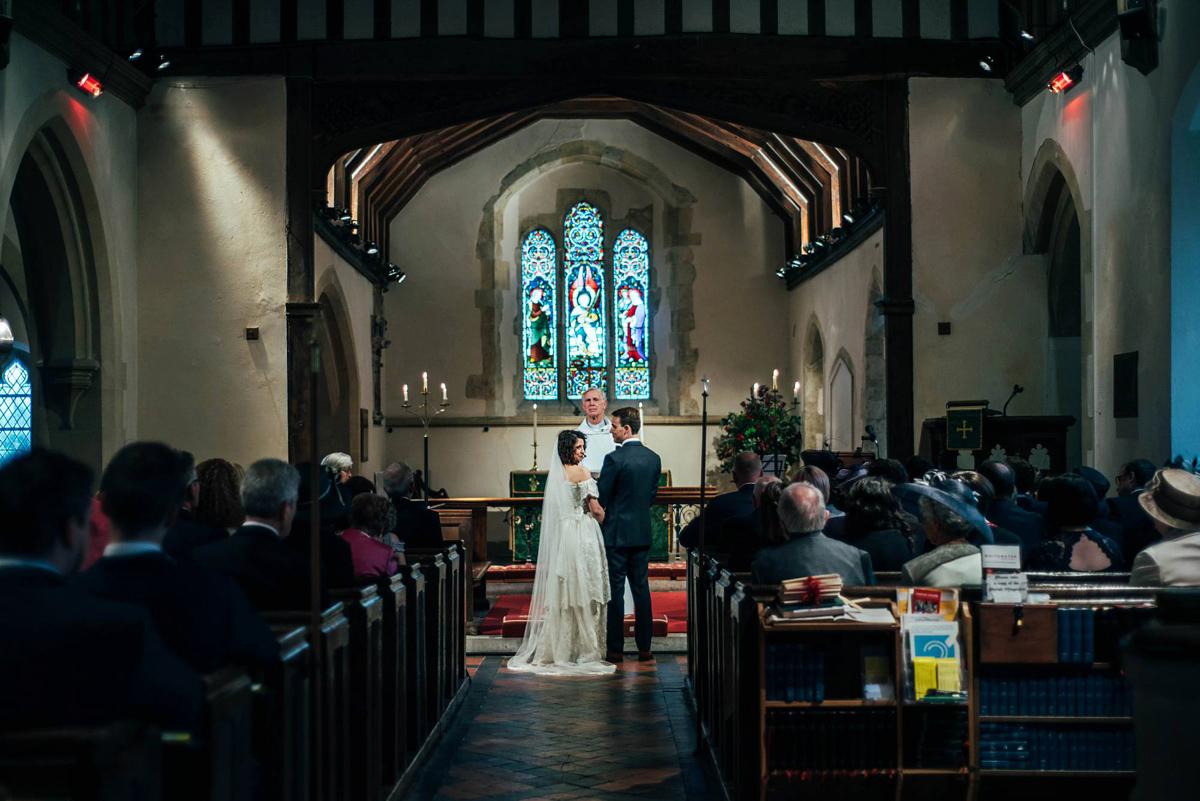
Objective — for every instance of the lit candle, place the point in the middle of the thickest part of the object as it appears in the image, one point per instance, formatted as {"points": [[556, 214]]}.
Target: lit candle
{"points": [[443, 393], [754, 390], [535, 424], [406, 393], [424, 383], [774, 380], [642, 417], [796, 393]]}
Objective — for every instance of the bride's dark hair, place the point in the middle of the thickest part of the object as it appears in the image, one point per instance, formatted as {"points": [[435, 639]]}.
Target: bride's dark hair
{"points": [[566, 445]]}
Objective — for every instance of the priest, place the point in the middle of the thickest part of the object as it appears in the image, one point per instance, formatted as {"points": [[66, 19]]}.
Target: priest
{"points": [[597, 430]]}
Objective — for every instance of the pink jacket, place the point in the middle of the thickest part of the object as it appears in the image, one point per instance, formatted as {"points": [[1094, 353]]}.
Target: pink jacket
{"points": [[371, 557]]}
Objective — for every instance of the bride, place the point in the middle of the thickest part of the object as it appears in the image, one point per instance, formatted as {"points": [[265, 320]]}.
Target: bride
{"points": [[565, 635]]}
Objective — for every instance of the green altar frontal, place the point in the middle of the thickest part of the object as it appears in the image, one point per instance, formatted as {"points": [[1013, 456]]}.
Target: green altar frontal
{"points": [[525, 523]]}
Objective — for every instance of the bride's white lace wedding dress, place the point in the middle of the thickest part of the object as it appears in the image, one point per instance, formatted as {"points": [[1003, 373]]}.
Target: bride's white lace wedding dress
{"points": [[565, 635]]}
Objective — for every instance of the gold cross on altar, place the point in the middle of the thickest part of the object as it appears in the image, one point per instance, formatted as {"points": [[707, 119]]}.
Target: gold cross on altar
{"points": [[964, 429]]}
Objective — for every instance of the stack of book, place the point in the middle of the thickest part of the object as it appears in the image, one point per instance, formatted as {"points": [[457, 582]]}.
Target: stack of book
{"points": [[795, 672], [811, 590], [1006, 746], [1029, 691], [863, 739]]}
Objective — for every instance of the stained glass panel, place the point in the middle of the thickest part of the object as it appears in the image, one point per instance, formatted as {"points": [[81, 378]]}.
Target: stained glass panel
{"points": [[631, 276], [16, 411], [539, 288], [587, 337]]}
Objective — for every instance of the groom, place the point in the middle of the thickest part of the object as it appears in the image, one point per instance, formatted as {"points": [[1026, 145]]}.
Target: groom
{"points": [[628, 483]]}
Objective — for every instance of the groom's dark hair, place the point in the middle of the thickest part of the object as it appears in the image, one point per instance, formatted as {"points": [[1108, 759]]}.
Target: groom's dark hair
{"points": [[629, 416]]}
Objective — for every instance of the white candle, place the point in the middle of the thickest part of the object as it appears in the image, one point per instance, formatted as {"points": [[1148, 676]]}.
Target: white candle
{"points": [[642, 417], [796, 393], [443, 393], [406, 393], [535, 424], [774, 380], [754, 390], [425, 383]]}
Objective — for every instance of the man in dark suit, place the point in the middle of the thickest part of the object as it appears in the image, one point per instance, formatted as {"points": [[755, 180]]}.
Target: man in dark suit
{"points": [[1024, 478], [202, 616], [69, 659], [747, 468], [808, 552], [1102, 523], [1137, 527], [628, 485], [1004, 512], [187, 532], [416, 525], [273, 575]]}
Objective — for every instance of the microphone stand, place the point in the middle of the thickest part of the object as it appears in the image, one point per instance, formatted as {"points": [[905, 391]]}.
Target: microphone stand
{"points": [[698, 602], [1017, 390]]}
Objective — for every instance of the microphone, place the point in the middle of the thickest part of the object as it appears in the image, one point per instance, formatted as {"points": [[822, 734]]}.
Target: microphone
{"points": [[1016, 390], [871, 435]]}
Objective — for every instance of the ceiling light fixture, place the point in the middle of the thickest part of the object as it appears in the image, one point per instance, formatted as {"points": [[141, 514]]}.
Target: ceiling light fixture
{"points": [[1065, 81], [1026, 35], [163, 62], [136, 54], [987, 63], [86, 82]]}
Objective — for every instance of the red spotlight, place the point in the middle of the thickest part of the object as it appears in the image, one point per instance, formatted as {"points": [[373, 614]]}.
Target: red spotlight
{"points": [[1065, 80], [86, 82]]}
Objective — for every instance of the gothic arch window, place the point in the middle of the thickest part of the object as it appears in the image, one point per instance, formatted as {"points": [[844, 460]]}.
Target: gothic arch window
{"points": [[16, 411], [580, 315]]}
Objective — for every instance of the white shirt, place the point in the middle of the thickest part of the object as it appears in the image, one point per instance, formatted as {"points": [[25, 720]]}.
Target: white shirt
{"points": [[131, 548], [599, 444], [20, 561], [271, 529]]}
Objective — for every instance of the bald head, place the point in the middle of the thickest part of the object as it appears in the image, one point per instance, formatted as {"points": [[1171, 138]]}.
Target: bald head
{"points": [[747, 467], [761, 485], [802, 509]]}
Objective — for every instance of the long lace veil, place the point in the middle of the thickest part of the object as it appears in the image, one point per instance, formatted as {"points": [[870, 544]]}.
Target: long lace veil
{"points": [[556, 504]]}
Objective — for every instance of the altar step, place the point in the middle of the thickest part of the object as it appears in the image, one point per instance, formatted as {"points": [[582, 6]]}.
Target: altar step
{"points": [[478, 644]]}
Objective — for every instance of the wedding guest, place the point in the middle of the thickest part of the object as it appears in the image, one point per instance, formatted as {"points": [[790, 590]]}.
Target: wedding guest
{"points": [[1137, 527], [202, 616], [597, 431], [808, 552], [219, 502], [337, 561], [984, 494], [1101, 523], [814, 476], [1005, 512], [416, 526], [759, 529], [1172, 501], [747, 469], [1072, 544], [950, 522], [891, 469], [99, 535], [368, 525], [357, 485], [917, 466], [340, 466], [69, 659], [273, 576], [875, 523], [187, 532], [1024, 480]]}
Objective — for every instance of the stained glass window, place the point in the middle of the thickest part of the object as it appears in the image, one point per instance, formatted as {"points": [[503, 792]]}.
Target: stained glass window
{"points": [[16, 411], [631, 278], [539, 289], [586, 332]]}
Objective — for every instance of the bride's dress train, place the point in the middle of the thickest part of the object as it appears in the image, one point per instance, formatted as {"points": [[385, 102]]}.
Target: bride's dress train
{"points": [[566, 633]]}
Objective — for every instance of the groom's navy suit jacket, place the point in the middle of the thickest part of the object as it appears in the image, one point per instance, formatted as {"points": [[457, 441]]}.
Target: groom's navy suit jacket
{"points": [[628, 484]]}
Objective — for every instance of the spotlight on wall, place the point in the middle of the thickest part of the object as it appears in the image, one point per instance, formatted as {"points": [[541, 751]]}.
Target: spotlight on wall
{"points": [[372, 248], [163, 62], [345, 216], [1026, 35], [6, 338], [86, 82], [394, 273], [987, 64], [1065, 80], [136, 54], [848, 218]]}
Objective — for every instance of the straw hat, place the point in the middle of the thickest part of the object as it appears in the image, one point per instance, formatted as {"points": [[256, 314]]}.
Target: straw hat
{"points": [[1173, 497]]}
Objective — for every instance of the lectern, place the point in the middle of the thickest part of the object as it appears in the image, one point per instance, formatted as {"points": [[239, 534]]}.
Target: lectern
{"points": [[1040, 439]]}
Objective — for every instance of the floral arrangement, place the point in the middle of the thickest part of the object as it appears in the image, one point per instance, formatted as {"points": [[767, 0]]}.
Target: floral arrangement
{"points": [[764, 425]]}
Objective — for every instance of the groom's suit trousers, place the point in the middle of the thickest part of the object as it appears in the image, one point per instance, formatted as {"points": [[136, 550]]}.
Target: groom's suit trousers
{"points": [[635, 563]]}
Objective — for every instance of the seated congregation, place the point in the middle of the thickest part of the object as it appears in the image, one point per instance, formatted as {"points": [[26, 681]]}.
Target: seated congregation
{"points": [[137, 601]]}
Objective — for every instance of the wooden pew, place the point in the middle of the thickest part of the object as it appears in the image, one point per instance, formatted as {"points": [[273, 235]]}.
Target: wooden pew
{"points": [[364, 611], [436, 573], [419, 720], [457, 596], [722, 690], [118, 762], [741, 750], [218, 764], [283, 719], [394, 671]]}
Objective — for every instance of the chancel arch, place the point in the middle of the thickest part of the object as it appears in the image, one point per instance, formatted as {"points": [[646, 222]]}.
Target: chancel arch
{"points": [[814, 387], [338, 386]]}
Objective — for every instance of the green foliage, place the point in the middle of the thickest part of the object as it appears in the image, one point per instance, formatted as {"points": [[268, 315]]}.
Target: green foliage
{"points": [[764, 425]]}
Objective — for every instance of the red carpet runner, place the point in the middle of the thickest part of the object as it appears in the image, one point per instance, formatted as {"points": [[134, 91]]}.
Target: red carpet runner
{"points": [[671, 604]]}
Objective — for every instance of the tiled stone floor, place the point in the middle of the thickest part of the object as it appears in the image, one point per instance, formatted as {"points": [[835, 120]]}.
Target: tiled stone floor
{"points": [[625, 736]]}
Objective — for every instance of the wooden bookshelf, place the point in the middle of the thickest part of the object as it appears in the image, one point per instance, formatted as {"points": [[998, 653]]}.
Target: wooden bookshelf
{"points": [[1065, 774], [1055, 719], [831, 703]]}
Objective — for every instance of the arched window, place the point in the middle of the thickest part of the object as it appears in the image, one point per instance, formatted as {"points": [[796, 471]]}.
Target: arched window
{"points": [[583, 265], [579, 316], [631, 276], [539, 292], [16, 411]]}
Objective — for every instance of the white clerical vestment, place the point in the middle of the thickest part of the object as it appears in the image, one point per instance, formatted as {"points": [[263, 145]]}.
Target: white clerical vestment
{"points": [[599, 444]]}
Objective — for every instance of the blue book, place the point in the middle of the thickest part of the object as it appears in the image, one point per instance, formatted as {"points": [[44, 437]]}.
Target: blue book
{"points": [[1064, 635], [1077, 635], [820, 684], [1089, 636], [1023, 707], [1002, 696], [802, 675], [789, 672]]}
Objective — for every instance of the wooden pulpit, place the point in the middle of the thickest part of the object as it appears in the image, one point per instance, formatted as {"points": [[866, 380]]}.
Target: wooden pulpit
{"points": [[1041, 439]]}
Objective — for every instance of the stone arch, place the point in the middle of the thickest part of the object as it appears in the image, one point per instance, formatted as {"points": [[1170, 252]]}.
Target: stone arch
{"points": [[338, 401], [842, 425], [814, 386], [874, 394], [497, 273], [1058, 226]]}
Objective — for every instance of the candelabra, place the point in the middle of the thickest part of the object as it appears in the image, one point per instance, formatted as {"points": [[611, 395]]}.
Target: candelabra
{"points": [[425, 417]]}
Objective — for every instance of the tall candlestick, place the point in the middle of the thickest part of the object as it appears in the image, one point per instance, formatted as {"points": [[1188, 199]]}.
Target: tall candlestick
{"points": [[774, 380], [796, 393], [424, 383], [642, 417], [406, 393], [535, 424], [444, 393]]}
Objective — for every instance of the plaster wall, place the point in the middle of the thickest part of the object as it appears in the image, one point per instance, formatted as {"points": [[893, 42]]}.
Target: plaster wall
{"points": [[1114, 130], [968, 268], [99, 144], [436, 318], [838, 301], [211, 246]]}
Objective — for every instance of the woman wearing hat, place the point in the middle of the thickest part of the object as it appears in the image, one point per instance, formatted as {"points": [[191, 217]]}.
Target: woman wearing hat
{"points": [[951, 523], [1172, 499]]}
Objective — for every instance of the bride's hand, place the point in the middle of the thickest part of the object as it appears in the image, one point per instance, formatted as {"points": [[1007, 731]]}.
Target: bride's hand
{"points": [[594, 507]]}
